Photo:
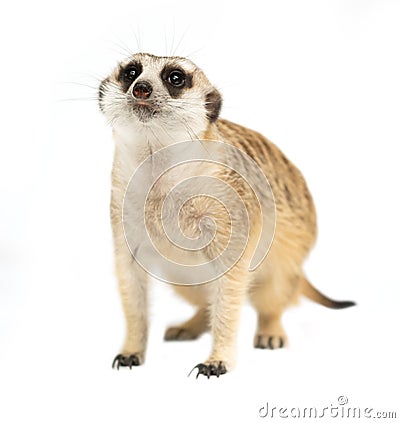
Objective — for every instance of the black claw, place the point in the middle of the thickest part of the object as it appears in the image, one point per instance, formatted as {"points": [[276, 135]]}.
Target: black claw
{"points": [[209, 370], [116, 361], [259, 343], [202, 370], [220, 369], [133, 361], [123, 361], [270, 343]]}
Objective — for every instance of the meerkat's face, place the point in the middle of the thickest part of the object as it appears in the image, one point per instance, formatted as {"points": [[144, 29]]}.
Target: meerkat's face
{"points": [[153, 92]]}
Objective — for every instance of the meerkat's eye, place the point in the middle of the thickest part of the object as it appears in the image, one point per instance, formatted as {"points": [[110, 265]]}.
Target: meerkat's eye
{"points": [[131, 73], [177, 78]]}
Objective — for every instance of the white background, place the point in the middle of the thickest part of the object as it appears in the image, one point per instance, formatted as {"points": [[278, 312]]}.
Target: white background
{"points": [[320, 79]]}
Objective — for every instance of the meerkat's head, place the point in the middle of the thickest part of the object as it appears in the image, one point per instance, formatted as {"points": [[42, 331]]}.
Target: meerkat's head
{"points": [[152, 92]]}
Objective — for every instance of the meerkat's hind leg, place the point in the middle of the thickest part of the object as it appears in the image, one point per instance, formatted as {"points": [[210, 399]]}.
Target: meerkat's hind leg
{"points": [[270, 333], [270, 296], [189, 330]]}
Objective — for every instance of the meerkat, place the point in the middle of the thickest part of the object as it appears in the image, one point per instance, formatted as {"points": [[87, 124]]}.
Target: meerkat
{"points": [[154, 102]]}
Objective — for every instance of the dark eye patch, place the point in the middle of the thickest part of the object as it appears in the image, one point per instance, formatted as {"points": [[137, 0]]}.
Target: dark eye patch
{"points": [[128, 73], [176, 80]]}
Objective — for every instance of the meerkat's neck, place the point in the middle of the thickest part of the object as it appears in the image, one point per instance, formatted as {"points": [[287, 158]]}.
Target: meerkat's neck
{"points": [[133, 146], [140, 141]]}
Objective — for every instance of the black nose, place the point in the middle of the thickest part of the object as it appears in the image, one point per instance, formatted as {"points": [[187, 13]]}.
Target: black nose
{"points": [[142, 90]]}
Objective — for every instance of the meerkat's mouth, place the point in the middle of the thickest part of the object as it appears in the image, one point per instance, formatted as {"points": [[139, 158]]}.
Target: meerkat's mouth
{"points": [[144, 110], [144, 103]]}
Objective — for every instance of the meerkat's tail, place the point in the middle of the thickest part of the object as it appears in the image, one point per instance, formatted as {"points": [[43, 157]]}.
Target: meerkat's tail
{"points": [[314, 295]]}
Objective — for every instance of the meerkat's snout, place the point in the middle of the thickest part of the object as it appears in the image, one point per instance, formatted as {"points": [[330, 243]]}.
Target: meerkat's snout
{"points": [[142, 101], [142, 90]]}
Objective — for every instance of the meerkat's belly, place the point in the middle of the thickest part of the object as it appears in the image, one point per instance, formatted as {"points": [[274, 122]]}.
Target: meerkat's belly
{"points": [[173, 234], [163, 248]]}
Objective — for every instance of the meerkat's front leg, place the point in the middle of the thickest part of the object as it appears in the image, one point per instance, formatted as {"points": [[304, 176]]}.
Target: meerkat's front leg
{"points": [[132, 281], [133, 290], [226, 303]]}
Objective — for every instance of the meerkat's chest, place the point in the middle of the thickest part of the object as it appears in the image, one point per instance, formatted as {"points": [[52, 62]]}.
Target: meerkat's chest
{"points": [[180, 212], [164, 217]]}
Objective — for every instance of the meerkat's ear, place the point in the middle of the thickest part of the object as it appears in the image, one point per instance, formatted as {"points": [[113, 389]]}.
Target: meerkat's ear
{"points": [[213, 104]]}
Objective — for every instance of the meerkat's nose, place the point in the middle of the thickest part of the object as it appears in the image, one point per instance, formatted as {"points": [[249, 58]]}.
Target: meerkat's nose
{"points": [[142, 90]]}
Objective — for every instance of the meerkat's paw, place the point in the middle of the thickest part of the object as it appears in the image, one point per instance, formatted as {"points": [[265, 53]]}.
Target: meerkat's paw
{"points": [[122, 360], [210, 368], [270, 342], [180, 334], [189, 330]]}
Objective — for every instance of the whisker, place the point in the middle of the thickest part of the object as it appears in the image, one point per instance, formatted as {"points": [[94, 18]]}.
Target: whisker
{"points": [[120, 49], [189, 130], [138, 38], [81, 84], [160, 144], [180, 40], [61, 100], [194, 52], [173, 40]]}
